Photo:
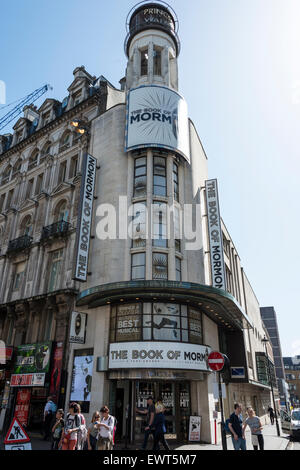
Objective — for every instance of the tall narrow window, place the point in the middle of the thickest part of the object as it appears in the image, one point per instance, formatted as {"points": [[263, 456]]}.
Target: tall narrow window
{"points": [[178, 269], [140, 177], [48, 326], [159, 266], [138, 266], [10, 331], [159, 176], [19, 275], [9, 199], [29, 188], [159, 217], [177, 228], [6, 175], [73, 167], [2, 198], [77, 98], [157, 61], [175, 182], [55, 268], [33, 160], [139, 225], [39, 183], [144, 62], [62, 172], [62, 212]]}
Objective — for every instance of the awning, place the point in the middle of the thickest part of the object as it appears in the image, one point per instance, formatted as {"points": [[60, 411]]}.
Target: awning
{"points": [[217, 304]]}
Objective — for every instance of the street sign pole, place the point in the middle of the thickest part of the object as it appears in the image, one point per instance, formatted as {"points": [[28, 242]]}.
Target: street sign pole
{"points": [[223, 433], [216, 362]]}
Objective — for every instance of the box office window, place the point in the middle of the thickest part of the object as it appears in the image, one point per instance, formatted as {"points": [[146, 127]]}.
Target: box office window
{"points": [[155, 322]]}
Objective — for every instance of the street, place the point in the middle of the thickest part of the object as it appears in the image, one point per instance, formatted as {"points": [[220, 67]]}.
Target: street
{"points": [[293, 445]]}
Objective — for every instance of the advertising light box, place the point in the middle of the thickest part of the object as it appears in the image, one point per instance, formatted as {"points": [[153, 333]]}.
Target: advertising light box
{"points": [[157, 116]]}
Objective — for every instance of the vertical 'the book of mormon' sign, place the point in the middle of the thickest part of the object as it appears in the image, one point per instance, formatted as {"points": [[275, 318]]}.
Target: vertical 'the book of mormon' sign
{"points": [[85, 212]]}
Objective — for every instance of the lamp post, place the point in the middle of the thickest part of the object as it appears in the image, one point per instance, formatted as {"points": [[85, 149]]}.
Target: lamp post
{"points": [[265, 341]]}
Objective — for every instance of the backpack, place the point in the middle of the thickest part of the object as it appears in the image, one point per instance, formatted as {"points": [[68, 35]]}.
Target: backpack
{"points": [[114, 429], [53, 407], [226, 427], [82, 433]]}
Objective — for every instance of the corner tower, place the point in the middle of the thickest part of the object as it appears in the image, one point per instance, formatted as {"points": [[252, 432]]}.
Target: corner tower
{"points": [[152, 45]]}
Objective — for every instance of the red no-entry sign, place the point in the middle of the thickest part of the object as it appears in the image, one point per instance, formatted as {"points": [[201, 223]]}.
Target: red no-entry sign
{"points": [[216, 361]]}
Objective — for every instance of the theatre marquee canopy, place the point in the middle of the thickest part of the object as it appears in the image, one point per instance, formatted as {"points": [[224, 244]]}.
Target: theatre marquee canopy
{"points": [[216, 303]]}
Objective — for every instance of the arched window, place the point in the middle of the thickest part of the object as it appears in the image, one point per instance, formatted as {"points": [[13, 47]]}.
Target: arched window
{"points": [[26, 226], [65, 141], [6, 175], [61, 212], [33, 160], [45, 151], [16, 168]]}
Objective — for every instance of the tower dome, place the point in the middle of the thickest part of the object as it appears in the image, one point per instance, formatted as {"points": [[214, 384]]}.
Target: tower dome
{"points": [[152, 15]]}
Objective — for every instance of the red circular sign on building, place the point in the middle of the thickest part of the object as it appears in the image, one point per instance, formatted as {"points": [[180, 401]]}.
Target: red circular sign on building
{"points": [[216, 361]]}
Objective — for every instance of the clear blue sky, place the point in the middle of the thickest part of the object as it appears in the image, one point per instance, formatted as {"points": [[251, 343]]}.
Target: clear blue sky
{"points": [[240, 74]]}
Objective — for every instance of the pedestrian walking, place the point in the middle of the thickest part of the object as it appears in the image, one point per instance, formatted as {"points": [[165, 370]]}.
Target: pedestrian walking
{"points": [[235, 425], [57, 429], [106, 427], [49, 413], [93, 431], [255, 426], [72, 425], [82, 433], [150, 412], [159, 428], [271, 414]]}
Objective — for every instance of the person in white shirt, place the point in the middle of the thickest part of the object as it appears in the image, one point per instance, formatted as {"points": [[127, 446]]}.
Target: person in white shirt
{"points": [[106, 426], [48, 416]]}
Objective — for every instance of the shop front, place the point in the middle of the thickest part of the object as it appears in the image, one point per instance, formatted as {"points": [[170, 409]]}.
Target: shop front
{"points": [[155, 350], [159, 335], [128, 397], [36, 375]]}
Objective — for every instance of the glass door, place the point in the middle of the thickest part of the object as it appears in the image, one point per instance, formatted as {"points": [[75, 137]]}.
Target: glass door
{"points": [[166, 394], [142, 392]]}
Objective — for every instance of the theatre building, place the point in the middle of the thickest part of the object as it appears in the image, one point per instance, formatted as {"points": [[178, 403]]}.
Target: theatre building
{"points": [[113, 249], [165, 284]]}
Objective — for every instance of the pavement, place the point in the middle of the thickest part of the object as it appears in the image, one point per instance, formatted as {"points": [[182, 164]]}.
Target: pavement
{"points": [[272, 442]]}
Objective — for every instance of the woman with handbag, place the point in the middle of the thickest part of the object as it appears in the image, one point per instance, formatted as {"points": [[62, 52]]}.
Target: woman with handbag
{"points": [[106, 427], [255, 425], [72, 426]]}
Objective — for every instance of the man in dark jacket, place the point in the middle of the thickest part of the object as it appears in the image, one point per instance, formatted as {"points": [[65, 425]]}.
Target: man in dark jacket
{"points": [[159, 428], [150, 412], [236, 427]]}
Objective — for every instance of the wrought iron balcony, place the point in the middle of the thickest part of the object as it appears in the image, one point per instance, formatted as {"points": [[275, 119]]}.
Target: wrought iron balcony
{"points": [[19, 244], [57, 229]]}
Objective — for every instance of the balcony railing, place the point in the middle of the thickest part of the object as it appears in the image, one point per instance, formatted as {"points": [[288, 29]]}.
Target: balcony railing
{"points": [[57, 229], [19, 243]]}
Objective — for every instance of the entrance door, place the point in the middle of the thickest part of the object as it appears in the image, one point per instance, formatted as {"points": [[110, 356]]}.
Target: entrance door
{"points": [[119, 410], [175, 397]]}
